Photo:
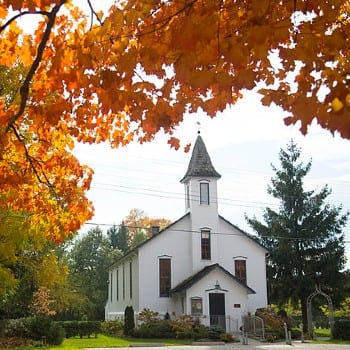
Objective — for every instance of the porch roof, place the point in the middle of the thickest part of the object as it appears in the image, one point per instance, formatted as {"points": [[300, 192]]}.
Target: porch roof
{"points": [[190, 281]]}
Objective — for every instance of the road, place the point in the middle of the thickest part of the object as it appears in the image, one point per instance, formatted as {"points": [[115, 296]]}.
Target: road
{"points": [[252, 345]]}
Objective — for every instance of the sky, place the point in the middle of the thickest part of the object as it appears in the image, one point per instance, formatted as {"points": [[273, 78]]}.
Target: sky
{"points": [[242, 142]]}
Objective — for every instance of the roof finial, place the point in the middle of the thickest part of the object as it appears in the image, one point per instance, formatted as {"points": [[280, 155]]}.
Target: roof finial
{"points": [[199, 128]]}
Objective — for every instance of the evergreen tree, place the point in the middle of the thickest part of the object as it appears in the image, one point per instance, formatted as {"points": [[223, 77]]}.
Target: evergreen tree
{"points": [[122, 238], [304, 238], [129, 321], [112, 233], [119, 237]]}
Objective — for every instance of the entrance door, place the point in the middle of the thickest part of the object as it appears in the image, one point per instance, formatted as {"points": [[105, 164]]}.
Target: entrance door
{"points": [[217, 309]]}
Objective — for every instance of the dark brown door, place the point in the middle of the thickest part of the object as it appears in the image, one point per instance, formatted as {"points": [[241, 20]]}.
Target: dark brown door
{"points": [[217, 309]]}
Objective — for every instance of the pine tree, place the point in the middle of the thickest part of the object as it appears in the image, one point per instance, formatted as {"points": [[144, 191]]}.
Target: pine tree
{"points": [[122, 238], [112, 234], [129, 321], [304, 237]]}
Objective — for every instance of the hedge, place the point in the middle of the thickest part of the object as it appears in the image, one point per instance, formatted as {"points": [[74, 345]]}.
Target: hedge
{"points": [[341, 330], [81, 328]]}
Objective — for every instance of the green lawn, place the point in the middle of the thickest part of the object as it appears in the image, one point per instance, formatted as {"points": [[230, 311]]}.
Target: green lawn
{"points": [[103, 341], [322, 332]]}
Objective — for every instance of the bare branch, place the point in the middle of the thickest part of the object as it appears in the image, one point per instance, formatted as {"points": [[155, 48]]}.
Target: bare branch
{"points": [[3, 27], [24, 89], [34, 163], [93, 13]]}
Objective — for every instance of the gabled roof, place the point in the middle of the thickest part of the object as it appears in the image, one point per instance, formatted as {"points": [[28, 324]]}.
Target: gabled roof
{"points": [[200, 164], [135, 249], [244, 233], [190, 281]]}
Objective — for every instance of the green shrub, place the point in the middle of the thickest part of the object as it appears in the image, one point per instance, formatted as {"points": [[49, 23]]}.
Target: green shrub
{"points": [[71, 328], [129, 321], [80, 328], [55, 334], [295, 333], [114, 327], [152, 326], [157, 329], [39, 327], [214, 332], [341, 330], [2, 328], [87, 328], [17, 328]]}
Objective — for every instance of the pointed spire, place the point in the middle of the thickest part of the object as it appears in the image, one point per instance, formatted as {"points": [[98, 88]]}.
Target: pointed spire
{"points": [[200, 164]]}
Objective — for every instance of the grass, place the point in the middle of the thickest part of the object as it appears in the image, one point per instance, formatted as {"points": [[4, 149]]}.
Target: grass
{"points": [[326, 333], [104, 341], [323, 332]]}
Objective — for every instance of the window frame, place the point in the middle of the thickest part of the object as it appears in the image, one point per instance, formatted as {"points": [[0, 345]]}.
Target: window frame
{"points": [[117, 284], [200, 310], [241, 270], [187, 195], [111, 287], [205, 244], [123, 282], [204, 193], [164, 276], [130, 279]]}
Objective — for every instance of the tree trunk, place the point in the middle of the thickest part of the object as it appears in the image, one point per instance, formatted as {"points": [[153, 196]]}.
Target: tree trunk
{"points": [[304, 314]]}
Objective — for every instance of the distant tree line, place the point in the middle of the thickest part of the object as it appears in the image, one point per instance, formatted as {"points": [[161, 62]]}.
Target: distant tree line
{"points": [[66, 281]]}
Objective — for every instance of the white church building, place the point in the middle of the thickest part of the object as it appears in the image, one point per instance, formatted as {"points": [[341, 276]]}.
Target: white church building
{"points": [[200, 265]]}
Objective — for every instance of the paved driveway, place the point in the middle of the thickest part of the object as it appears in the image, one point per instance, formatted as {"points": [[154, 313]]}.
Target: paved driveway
{"points": [[252, 345]]}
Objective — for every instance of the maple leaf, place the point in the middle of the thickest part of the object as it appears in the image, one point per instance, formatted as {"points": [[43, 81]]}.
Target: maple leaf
{"points": [[137, 68]]}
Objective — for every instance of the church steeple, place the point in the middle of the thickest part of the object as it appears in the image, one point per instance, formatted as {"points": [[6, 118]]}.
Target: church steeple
{"points": [[200, 164], [201, 202]]}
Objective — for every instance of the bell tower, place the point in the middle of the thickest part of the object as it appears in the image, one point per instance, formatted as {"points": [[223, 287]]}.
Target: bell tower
{"points": [[201, 201]]}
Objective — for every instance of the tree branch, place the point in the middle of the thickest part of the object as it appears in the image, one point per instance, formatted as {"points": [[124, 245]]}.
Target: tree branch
{"points": [[43, 179], [93, 13], [44, 13], [24, 89]]}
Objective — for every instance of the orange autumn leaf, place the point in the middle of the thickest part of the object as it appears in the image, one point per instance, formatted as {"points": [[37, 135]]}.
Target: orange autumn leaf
{"points": [[129, 72]]}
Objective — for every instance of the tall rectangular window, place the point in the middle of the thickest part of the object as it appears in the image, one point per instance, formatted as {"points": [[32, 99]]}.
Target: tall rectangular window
{"points": [[130, 281], [187, 195], [123, 282], [204, 193], [117, 285], [205, 245], [164, 277], [111, 291], [241, 270]]}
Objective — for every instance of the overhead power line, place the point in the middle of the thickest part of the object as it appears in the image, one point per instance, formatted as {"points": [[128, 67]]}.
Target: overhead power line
{"points": [[148, 228]]}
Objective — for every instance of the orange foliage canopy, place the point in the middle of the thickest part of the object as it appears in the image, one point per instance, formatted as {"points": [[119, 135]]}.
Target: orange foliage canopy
{"points": [[125, 74]]}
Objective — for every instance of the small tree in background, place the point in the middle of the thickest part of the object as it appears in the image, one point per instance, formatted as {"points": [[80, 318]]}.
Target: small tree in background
{"points": [[42, 303], [129, 321]]}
